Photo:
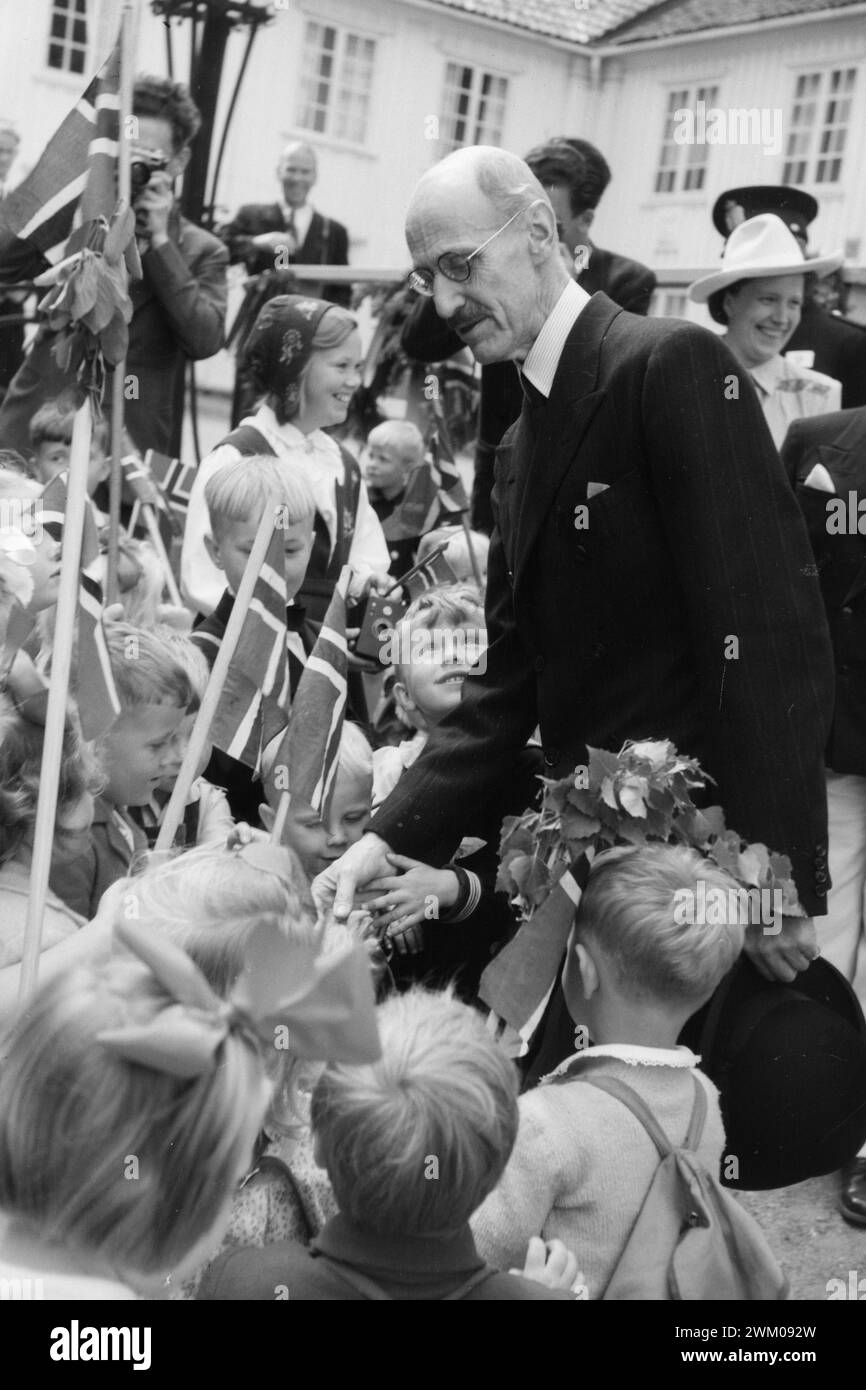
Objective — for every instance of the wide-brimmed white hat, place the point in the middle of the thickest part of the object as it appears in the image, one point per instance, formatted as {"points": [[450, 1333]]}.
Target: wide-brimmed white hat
{"points": [[760, 246]]}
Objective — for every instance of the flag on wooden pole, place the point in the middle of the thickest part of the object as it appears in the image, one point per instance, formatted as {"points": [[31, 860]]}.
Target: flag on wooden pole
{"points": [[310, 747], [174, 480], [254, 704], [446, 475], [435, 569], [37, 217], [98, 701]]}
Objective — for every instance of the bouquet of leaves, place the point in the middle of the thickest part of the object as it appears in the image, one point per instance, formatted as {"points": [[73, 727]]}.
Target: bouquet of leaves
{"points": [[639, 795], [88, 305]]}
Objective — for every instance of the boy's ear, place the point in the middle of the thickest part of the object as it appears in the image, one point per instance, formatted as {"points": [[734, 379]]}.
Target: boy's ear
{"points": [[213, 551], [588, 970], [402, 696]]}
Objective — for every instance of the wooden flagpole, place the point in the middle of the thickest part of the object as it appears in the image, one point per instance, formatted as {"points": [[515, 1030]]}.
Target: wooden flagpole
{"points": [[473, 558], [282, 815], [55, 717], [156, 540], [115, 485], [198, 738]]}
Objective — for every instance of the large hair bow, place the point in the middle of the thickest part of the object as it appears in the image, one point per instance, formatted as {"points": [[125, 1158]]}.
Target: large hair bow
{"points": [[287, 998]]}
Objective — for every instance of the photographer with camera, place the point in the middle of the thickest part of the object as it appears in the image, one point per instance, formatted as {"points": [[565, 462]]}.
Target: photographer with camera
{"points": [[178, 305]]}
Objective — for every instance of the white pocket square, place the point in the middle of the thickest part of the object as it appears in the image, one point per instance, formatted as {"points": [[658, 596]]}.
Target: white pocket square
{"points": [[593, 489], [820, 479]]}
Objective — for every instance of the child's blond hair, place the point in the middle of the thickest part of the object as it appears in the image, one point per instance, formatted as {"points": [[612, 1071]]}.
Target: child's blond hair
{"points": [[75, 1115], [146, 668], [443, 1093], [457, 553], [240, 491], [444, 607], [628, 912], [405, 437]]}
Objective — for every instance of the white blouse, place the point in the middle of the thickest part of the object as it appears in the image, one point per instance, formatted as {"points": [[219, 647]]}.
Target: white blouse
{"points": [[789, 392], [203, 585]]}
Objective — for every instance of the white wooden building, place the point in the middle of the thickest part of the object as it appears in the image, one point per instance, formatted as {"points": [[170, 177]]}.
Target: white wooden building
{"points": [[383, 88]]}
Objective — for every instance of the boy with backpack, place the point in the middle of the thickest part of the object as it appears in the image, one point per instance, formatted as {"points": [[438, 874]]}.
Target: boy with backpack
{"points": [[619, 1150]]}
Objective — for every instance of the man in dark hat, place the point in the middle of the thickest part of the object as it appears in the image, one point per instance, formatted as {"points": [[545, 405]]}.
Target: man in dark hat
{"points": [[574, 175], [825, 341]]}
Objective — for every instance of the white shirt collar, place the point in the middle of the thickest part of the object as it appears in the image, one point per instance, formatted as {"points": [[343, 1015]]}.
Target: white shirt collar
{"points": [[635, 1056], [767, 375], [302, 216], [266, 422], [543, 357]]}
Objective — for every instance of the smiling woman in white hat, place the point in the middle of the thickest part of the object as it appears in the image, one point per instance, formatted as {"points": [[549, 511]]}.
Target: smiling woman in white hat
{"points": [[758, 295]]}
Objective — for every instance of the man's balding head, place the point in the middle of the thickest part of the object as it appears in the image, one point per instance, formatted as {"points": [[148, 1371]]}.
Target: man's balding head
{"points": [[457, 205], [297, 172]]}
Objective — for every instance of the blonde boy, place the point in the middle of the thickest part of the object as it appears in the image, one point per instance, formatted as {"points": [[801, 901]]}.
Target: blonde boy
{"points": [[236, 498], [135, 755], [634, 974]]}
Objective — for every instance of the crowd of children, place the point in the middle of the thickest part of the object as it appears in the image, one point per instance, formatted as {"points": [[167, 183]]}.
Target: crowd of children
{"points": [[382, 1150]]}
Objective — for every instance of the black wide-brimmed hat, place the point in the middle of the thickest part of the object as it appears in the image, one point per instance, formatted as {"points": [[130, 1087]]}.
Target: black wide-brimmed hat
{"points": [[737, 205], [790, 1064]]}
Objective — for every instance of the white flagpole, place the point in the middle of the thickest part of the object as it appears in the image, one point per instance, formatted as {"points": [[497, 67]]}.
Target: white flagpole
{"points": [[156, 541], [55, 717]]}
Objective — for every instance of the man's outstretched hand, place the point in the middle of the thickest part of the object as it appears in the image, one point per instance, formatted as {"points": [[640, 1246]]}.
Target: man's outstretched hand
{"points": [[782, 954], [361, 864]]}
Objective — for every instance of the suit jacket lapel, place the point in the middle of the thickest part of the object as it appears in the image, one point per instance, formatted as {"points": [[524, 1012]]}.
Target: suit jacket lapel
{"points": [[573, 401], [844, 462]]}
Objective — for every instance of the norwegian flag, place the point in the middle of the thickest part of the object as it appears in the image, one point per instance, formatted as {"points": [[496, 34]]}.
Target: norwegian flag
{"points": [[98, 701], [254, 703], [148, 493], [74, 180], [435, 569], [516, 986], [174, 481], [443, 466], [419, 509], [311, 743], [52, 514]]}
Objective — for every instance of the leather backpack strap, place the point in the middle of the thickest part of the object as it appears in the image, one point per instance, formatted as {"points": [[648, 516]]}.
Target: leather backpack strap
{"points": [[699, 1115], [641, 1111]]}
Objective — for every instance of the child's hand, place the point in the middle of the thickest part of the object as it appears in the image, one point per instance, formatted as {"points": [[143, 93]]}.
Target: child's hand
{"points": [[418, 894], [377, 584], [243, 834], [552, 1264]]}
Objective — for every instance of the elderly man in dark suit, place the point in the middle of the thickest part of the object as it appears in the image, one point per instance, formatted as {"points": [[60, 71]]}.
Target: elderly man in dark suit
{"points": [[643, 523], [179, 304], [575, 175], [825, 458]]}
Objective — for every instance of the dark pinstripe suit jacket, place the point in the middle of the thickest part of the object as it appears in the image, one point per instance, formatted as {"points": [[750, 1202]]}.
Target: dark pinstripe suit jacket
{"points": [[619, 629]]}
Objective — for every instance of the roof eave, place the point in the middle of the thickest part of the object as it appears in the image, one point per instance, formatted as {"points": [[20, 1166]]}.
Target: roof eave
{"points": [[605, 49]]}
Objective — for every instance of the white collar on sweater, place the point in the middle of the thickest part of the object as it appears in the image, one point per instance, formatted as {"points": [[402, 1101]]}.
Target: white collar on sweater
{"points": [[543, 357], [635, 1056]]}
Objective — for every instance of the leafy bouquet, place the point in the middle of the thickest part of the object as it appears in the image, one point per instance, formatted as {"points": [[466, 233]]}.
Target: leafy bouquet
{"points": [[641, 794], [88, 304]]}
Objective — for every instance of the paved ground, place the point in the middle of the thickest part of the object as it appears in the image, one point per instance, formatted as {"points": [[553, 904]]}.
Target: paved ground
{"points": [[809, 1237]]}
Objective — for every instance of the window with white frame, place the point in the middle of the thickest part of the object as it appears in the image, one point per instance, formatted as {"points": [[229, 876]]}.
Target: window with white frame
{"points": [[336, 82], [682, 166], [473, 108], [67, 40], [818, 128]]}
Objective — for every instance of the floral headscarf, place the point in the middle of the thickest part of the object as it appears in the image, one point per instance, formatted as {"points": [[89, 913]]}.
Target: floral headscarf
{"points": [[280, 345]]}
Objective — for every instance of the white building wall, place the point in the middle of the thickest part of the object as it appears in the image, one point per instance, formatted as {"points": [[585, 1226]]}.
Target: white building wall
{"points": [[756, 70]]}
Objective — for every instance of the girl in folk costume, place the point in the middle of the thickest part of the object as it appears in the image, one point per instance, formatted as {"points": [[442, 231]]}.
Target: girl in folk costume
{"points": [[304, 355]]}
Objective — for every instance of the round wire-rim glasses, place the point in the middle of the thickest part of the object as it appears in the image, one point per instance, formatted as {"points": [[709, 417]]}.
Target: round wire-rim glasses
{"points": [[453, 264]]}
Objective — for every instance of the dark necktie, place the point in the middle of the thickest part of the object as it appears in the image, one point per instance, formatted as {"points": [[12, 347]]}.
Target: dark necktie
{"points": [[535, 403], [290, 224]]}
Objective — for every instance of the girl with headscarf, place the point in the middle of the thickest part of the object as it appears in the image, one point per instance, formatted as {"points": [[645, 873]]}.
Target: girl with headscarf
{"points": [[303, 355]]}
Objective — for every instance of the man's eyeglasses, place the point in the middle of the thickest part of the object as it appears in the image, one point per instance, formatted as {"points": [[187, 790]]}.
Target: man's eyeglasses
{"points": [[453, 264]]}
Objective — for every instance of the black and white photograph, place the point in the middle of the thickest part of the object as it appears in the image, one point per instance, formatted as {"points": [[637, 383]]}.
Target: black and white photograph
{"points": [[432, 669]]}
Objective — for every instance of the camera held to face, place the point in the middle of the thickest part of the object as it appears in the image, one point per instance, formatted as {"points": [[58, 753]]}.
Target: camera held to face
{"points": [[142, 165]]}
